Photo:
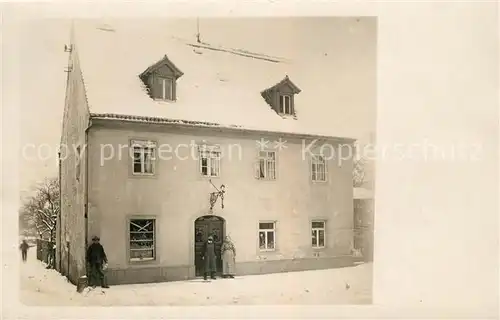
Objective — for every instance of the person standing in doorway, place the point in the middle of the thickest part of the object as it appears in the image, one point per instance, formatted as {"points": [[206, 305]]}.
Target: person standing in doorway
{"points": [[24, 250], [96, 260], [209, 258], [228, 252]]}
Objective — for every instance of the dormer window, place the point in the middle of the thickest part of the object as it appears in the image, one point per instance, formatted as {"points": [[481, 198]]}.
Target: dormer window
{"points": [[285, 104], [160, 80], [281, 97], [167, 89]]}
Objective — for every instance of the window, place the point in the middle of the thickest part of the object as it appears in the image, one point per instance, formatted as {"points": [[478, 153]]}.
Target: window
{"points": [[266, 165], [142, 239], [162, 88], [285, 104], [78, 163], [167, 89], [318, 168], [143, 156], [209, 161], [267, 236], [318, 234]]}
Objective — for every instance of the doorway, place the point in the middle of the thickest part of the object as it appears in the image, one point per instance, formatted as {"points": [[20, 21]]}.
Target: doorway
{"points": [[203, 227]]}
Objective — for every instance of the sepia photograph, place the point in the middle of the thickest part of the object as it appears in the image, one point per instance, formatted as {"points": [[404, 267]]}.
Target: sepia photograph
{"points": [[250, 160], [198, 161]]}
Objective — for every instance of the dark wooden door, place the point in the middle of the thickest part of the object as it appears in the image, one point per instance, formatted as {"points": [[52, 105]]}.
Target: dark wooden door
{"points": [[203, 227]]}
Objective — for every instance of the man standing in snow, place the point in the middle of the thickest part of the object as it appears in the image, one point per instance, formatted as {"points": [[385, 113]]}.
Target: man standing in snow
{"points": [[96, 258], [209, 258]]}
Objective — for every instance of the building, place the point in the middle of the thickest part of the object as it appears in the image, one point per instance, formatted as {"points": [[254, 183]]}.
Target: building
{"points": [[154, 127], [364, 200], [364, 222]]}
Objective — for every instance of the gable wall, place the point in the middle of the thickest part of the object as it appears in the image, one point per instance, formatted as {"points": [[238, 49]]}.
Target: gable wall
{"points": [[71, 233], [165, 71]]}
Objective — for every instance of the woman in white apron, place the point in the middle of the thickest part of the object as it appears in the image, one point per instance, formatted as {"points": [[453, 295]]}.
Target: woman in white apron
{"points": [[228, 253]]}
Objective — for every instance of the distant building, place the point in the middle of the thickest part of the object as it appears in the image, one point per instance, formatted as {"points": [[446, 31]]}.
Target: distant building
{"points": [[364, 222], [177, 109]]}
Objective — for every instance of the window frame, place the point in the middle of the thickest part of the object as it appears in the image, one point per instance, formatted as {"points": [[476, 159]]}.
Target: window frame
{"points": [[314, 164], [273, 230], [143, 144], [154, 259], [267, 160], [163, 95], [316, 230], [283, 97], [209, 149]]}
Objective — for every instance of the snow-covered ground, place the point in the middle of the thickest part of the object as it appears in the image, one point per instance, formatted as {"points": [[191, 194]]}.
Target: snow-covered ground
{"points": [[42, 287]]}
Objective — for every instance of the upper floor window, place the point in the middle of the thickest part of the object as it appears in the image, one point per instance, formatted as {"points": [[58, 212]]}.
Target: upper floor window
{"points": [[266, 165], [210, 161], [166, 88], [143, 157], [285, 104], [318, 168]]}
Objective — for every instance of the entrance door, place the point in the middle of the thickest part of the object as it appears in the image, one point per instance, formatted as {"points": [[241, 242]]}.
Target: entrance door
{"points": [[203, 227]]}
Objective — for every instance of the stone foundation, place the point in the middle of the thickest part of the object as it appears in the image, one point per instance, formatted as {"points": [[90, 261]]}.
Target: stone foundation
{"points": [[153, 274]]}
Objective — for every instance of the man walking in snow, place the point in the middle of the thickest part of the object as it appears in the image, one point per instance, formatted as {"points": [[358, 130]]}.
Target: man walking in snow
{"points": [[24, 250], [96, 258], [209, 258]]}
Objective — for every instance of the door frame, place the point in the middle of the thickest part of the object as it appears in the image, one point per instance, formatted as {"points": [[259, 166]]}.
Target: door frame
{"points": [[223, 235]]}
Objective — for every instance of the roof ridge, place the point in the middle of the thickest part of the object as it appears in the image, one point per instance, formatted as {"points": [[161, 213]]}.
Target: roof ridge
{"points": [[235, 51]]}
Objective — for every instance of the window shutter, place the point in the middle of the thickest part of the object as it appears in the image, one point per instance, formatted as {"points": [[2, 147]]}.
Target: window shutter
{"points": [[215, 164], [287, 104], [312, 168], [156, 88], [257, 168], [169, 89], [200, 158], [326, 168]]}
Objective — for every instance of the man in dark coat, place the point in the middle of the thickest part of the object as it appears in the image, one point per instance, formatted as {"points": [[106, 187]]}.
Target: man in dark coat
{"points": [[209, 258], [24, 250], [96, 257]]}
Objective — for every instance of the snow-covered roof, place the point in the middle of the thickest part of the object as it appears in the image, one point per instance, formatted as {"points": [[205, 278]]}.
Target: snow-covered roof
{"points": [[220, 86]]}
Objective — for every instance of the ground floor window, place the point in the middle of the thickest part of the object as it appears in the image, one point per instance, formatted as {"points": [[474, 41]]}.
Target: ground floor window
{"points": [[267, 236], [318, 234], [142, 239]]}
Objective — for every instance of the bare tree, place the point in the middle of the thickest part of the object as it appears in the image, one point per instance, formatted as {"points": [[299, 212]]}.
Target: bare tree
{"points": [[41, 210], [27, 217]]}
